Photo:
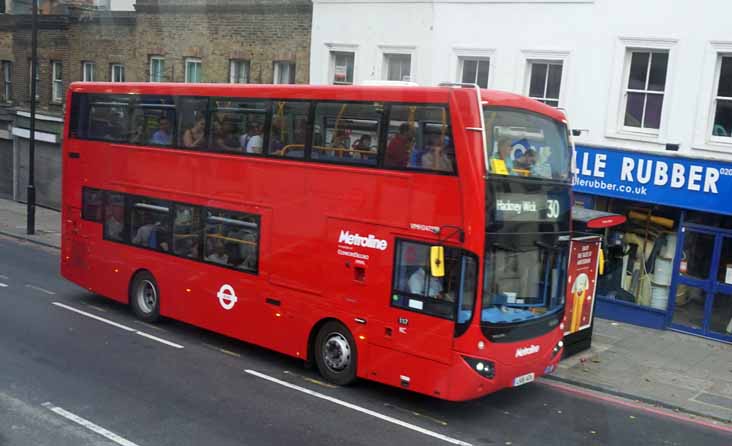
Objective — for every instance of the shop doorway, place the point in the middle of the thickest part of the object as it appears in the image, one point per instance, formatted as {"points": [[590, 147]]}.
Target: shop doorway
{"points": [[703, 282]]}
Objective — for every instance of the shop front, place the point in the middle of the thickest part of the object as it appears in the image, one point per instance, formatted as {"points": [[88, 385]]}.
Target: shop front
{"points": [[669, 265]]}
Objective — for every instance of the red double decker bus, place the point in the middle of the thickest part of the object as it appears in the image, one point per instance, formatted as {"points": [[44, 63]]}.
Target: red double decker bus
{"points": [[411, 236]]}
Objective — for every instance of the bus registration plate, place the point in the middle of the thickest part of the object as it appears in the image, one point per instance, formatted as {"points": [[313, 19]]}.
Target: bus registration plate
{"points": [[523, 379]]}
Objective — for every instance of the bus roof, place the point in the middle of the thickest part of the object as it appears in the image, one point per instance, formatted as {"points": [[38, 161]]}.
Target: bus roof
{"points": [[314, 92]]}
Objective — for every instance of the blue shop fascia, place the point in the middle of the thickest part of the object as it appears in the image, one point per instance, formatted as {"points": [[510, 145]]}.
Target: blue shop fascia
{"points": [[669, 266]]}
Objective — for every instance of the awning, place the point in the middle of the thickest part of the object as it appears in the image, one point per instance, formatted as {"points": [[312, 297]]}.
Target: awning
{"points": [[596, 219]]}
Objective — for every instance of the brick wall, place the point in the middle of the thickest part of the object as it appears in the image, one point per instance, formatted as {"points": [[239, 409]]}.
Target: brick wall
{"points": [[214, 31]]}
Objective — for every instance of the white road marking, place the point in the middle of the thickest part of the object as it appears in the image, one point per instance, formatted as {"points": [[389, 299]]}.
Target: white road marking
{"points": [[89, 425], [360, 409], [3, 285], [100, 319], [118, 325], [155, 338], [4, 277], [42, 290]]}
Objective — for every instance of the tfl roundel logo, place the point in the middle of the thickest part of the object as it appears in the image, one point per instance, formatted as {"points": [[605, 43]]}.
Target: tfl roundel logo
{"points": [[227, 296]]}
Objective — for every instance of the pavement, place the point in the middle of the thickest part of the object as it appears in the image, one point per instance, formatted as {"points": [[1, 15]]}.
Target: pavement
{"points": [[662, 368]]}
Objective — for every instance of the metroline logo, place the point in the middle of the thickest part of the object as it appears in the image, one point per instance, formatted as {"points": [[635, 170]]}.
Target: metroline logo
{"points": [[525, 351], [367, 242]]}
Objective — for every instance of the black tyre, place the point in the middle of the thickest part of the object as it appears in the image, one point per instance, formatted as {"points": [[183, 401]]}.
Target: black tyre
{"points": [[335, 354], [145, 297]]}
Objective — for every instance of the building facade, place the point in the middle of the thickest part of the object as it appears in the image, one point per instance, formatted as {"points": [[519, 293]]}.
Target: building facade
{"points": [[229, 41], [648, 89]]}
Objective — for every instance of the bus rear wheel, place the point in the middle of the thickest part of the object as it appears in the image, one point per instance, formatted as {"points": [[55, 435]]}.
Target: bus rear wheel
{"points": [[335, 353], [145, 297]]}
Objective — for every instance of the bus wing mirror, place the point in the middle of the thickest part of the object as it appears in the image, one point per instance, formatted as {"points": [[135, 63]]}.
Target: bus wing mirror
{"points": [[437, 261]]}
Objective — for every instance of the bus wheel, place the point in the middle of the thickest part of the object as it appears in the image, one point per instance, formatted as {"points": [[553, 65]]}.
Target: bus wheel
{"points": [[145, 297], [335, 353]]}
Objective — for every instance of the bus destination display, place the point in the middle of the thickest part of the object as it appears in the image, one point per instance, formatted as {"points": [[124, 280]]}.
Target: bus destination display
{"points": [[528, 207]]}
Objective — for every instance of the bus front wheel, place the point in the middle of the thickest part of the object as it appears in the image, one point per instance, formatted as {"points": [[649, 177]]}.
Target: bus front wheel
{"points": [[145, 297], [335, 353]]}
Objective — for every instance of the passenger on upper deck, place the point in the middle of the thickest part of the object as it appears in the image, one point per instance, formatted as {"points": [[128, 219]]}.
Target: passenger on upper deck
{"points": [[435, 157], [162, 136], [399, 148], [252, 141], [225, 136], [195, 137]]}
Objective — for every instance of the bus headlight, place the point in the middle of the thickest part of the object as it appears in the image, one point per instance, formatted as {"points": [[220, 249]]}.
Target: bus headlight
{"points": [[557, 348], [483, 367]]}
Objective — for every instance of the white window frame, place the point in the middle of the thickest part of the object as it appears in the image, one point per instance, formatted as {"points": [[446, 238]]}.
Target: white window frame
{"points": [[112, 68], [328, 69], [383, 68], [479, 61], [57, 81], [715, 98], [615, 128], [332, 54], [161, 60], [192, 61], [626, 90], [552, 56], [461, 53], [530, 71], [276, 68], [702, 139], [233, 74], [84, 66]]}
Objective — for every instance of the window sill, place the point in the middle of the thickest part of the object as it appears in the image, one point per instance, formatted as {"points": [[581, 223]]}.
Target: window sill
{"points": [[714, 146], [629, 135]]}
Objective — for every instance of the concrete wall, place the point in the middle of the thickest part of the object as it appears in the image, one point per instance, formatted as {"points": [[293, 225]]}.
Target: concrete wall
{"points": [[590, 37]]}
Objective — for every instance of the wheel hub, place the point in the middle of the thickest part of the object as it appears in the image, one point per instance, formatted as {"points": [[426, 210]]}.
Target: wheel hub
{"points": [[337, 352]]}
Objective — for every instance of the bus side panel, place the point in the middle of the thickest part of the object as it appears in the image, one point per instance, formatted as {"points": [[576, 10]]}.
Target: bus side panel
{"points": [[401, 369]]}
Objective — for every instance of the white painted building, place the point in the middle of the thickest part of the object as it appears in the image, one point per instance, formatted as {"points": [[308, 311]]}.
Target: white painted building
{"points": [[649, 82], [584, 45]]}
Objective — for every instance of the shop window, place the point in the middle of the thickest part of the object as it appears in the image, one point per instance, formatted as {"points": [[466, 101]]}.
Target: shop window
{"points": [[696, 259], [721, 318], [639, 255], [7, 89]]}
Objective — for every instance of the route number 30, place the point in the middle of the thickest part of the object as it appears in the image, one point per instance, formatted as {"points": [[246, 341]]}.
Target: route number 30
{"points": [[552, 208]]}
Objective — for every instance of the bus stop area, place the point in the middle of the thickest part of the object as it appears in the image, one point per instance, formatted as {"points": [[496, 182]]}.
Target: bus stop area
{"points": [[664, 368]]}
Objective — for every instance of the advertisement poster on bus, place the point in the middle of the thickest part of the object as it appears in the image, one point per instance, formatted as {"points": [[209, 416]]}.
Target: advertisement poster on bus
{"points": [[581, 283]]}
